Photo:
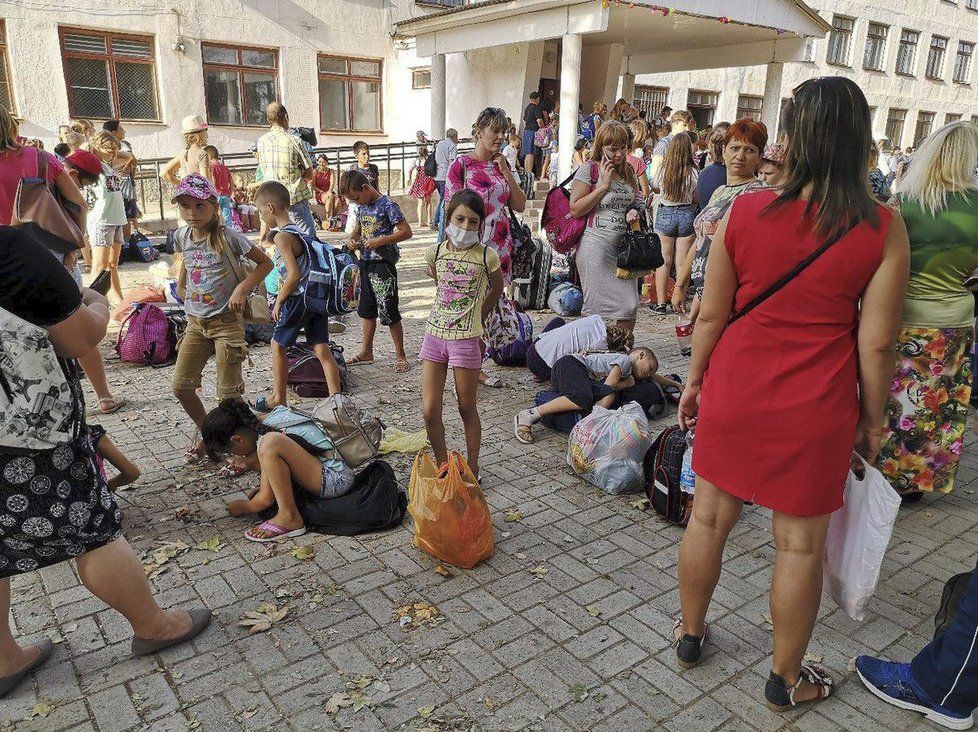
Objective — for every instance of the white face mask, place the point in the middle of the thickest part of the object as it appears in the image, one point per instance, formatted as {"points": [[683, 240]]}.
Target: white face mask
{"points": [[461, 238]]}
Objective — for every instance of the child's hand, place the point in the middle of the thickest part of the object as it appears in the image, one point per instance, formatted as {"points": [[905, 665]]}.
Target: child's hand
{"points": [[276, 311], [239, 299], [372, 244]]}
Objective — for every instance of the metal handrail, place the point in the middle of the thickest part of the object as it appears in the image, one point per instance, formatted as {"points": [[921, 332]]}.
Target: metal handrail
{"points": [[389, 157]]}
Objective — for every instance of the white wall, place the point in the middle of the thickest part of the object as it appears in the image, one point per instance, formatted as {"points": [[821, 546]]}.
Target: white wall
{"points": [[885, 89], [298, 29]]}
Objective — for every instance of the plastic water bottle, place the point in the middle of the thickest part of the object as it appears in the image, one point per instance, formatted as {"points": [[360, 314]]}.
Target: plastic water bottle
{"points": [[687, 478]]}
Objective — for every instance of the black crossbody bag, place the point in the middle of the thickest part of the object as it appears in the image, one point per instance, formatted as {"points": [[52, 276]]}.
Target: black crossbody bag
{"points": [[790, 275]]}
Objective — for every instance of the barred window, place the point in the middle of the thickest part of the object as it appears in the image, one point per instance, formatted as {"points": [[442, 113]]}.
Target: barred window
{"points": [[895, 121], [962, 62], [840, 40], [6, 90], [935, 57], [109, 75], [239, 82], [907, 53], [925, 124], [748, 106], [651, 99], [875, 52], [421, 78], [350, 94]]}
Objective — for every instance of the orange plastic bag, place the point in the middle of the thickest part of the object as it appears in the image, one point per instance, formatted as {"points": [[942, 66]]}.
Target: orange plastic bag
{"points": [[145, 293], [451, 517]]}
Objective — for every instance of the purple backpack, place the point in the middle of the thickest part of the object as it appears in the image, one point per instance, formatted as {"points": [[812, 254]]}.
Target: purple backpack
{"points": [[306, 376], [146, 337]]}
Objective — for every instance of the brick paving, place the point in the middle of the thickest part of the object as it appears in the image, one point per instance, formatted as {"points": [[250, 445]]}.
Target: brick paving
{"points": [[513, 651]]}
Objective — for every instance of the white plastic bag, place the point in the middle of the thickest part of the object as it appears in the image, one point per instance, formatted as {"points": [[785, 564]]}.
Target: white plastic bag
{"points": [[857, 538], [607, 448]]}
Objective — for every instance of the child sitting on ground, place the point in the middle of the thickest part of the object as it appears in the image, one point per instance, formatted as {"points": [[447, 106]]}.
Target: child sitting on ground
{"points": [[213, 298], [380, 227], [282, 439], [242, 202], [469, 282], [560, 338], [289, 312], [586, 380]]}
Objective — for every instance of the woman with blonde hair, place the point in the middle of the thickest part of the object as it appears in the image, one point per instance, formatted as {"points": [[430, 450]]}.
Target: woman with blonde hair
{"points": [[636, 158], [606, 191], [194, 158], [928, 404]]}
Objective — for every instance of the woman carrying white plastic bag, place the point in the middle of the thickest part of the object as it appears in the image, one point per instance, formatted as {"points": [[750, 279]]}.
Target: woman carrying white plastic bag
{"points": [[857, 538]]}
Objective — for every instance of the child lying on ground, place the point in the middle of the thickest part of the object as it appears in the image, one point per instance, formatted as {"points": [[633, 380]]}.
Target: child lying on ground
{"points": [[560, 338], [586, 380], [287, 449]]}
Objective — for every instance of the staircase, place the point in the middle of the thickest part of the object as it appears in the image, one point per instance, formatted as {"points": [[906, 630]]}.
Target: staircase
{"points": [[534, 207]]}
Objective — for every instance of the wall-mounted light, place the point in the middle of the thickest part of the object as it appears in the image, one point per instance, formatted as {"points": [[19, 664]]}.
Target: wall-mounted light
{"points": [[179, 46]]}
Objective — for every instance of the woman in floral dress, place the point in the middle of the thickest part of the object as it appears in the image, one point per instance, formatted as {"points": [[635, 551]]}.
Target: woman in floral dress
{"points": [[929, 396]]}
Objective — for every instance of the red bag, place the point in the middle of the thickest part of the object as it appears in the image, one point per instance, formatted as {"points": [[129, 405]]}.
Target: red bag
{"points": [[563, 230]]}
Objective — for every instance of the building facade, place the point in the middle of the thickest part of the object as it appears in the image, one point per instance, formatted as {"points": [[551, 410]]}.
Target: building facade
{"points": [[332, 62], [914, 60]]}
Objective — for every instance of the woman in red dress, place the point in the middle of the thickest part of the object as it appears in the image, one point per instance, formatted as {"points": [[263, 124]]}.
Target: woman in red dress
{"points": [[780, 397]]}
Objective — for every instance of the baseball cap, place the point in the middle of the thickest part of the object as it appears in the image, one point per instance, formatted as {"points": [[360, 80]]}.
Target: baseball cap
{"points": [[87, 161], [196, 186]]}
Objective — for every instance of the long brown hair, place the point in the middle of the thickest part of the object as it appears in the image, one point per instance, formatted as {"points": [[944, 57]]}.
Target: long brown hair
{"points": [[829, 134], [640, 133], [615, 135], [677, 169], [8, 131]]}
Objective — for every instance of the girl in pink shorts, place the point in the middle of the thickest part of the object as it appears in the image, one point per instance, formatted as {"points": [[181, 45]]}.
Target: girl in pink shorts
{"points": [[469, 282]]}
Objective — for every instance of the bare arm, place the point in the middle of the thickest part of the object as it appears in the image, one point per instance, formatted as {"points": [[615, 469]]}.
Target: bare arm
{"points": [[584, 198], [517, 198], [285, 242], [239, 297], [84, 329], [879, 319], [128, 470], [643, 182], [169, 172], [613, 380], [495, 291]]}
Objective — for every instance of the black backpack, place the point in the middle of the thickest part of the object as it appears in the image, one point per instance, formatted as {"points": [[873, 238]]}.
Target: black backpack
{"points": [[663, 464], [374, 503], [954, 592], [431, 165]]}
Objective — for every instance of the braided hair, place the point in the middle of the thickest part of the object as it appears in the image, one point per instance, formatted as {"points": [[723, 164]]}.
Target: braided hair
{"points": [[220, 424]]}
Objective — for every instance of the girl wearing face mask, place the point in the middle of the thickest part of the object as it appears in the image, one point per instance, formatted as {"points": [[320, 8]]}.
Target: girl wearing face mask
{"points": [[606, 191], [469, 281]]}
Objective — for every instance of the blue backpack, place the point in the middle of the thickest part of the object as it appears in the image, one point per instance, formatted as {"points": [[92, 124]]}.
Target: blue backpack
{"points": [[566, 300], [333, 286], [587, 127]]}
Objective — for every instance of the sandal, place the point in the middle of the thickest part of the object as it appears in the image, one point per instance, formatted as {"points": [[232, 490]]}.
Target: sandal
{"points": [[779, 697], [230, 470], [689, 648], [260, 405], [192, 457], [402, 367], [357, 360], [276, 532], [523, 431], [114, 404], [493, 382]]}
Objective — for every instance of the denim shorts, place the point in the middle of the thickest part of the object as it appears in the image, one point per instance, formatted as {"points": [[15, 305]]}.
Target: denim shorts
{"points": [[675, 221], [293, 318]]}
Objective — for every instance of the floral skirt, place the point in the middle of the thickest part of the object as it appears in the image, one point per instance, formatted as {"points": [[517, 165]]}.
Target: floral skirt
{"points": [[927, 409], [54, 505]]}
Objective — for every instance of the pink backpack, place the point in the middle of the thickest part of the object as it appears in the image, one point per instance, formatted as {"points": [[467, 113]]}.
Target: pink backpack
{"points": [[563, 230], [146, 337]]}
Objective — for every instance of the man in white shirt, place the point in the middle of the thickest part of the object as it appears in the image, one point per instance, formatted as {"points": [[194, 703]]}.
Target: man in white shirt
{"points": [[445, 153]]}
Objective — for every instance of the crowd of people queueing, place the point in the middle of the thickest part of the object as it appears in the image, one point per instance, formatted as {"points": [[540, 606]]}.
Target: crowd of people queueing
{"points": [[882, 316]]}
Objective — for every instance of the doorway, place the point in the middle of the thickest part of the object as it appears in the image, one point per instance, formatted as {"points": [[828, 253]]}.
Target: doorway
{"points": [[703, 106]]}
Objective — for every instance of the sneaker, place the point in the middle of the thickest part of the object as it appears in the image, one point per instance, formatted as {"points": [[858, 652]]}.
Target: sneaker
{"points": [[893, 683], [660, 309]]}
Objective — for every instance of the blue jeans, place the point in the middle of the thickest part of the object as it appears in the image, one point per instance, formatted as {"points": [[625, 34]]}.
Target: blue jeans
{"points": [[301, 216], [440, 211], [947, 669]]}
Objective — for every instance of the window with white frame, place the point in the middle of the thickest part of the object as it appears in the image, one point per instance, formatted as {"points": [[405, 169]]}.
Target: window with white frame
{"points": [[907, 53], [840, 40], [895, 120], [925, 125], [421, 78], [962, 62], [875, 53], [749, 106], [350, 94], [239, 83], [935, 57], [949, 118]]}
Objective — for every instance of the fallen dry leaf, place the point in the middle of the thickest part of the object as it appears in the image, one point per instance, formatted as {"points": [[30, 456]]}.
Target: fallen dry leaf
{"points": [[513, 515], [425, 712], [812, 657], [417, 615], [443, 571], [338, 701], [767, 619], [258, 621], [303, 552], [213, 544], [155, 565], [41, 709], [594, 610], [578, 692], [641, 504], [540, 570]]}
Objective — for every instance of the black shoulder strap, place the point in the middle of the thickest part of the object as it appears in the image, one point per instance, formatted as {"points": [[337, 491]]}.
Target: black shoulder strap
{"points": [[792, 274]]}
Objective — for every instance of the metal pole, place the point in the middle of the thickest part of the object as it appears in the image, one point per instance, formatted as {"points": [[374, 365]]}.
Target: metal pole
{"points": [[159, 185]]}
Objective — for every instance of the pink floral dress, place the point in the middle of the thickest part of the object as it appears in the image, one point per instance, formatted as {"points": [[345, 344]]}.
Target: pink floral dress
{"points": [[485, 179]]}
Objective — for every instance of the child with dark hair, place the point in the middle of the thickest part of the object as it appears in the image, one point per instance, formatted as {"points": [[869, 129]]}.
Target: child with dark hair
{"points": [[379, 228], [363, 165], [288, 450], [469, 282]]}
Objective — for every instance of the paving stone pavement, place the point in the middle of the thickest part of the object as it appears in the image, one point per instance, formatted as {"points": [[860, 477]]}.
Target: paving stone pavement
{"points": [[514, 651]]}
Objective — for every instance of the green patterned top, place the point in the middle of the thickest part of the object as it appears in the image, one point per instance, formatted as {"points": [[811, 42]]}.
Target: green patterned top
{"points": [[943, 253]]}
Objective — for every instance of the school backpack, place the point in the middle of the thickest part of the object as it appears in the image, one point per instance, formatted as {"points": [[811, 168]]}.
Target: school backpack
{"points": [[514, 353], [146, 337], [431, 166], [951, 597], [566, 300], [36, 402], [587, 127], [306, 376], [662, 465], [355, 433], [139, 249], [374, 503], [562, 422], [541, 138], [333, 287], [530, 292]]}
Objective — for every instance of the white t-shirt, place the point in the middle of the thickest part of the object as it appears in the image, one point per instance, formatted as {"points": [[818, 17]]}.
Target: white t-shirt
{"points": [[511, 154], [445, 153], [585, 334]]}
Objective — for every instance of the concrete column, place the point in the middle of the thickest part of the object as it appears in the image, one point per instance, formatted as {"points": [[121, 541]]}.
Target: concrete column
{"points": [[438, 96], [771, 109], [570, 95], [628, 87]]}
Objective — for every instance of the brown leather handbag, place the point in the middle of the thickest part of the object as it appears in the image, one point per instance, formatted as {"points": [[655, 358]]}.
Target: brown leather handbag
{"points": [[39, 206]]}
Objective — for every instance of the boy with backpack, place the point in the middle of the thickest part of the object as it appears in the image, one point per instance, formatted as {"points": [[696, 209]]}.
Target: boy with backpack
{"points": [[290, 313], [380, 227]]}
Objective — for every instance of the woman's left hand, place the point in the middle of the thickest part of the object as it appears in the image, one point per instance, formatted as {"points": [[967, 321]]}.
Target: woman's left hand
{"points": [[502, 164], [238, 299], [689, 406], [632, 216]]}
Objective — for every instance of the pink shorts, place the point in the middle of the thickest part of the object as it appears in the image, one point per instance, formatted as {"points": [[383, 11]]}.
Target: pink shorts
{"points": [[464, 354]]}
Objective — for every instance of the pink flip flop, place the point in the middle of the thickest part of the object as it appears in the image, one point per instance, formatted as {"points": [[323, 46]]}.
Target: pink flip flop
{"points": [[276, 531]]}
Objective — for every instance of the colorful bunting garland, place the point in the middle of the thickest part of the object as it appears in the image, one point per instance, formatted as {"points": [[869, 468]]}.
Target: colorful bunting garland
{"points": [[664, 11]]}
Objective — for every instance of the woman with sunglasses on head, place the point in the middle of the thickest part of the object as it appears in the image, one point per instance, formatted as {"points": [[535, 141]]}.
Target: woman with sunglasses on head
{"points": [[781, 392]]}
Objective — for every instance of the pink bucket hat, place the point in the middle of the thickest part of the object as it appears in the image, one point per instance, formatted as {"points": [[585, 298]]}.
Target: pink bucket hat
{"points": [[774, 153], [196, 186]]}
